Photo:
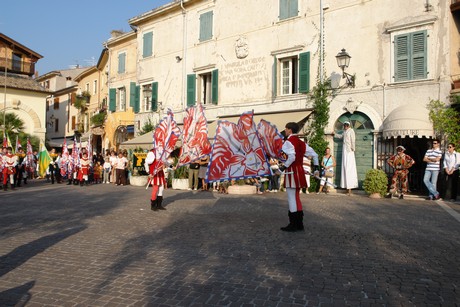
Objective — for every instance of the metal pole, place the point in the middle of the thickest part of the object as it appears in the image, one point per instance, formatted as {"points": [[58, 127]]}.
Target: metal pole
{"points": [[321, 40], [4, 100]]}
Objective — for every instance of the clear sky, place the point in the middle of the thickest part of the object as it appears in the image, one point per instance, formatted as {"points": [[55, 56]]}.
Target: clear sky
{"points": [[68, 32]]}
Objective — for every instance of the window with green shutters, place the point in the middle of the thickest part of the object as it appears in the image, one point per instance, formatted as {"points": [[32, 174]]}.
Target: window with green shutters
{"points": [[215, 86], [147, 44], [155, 96], [411, 56], [304, 72], [206, 26], [288, 9], [121, 62], [191, 90], [112, 100], [137, 96], [132, 94]]}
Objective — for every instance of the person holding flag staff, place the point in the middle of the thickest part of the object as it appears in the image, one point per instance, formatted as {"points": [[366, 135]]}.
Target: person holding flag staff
{"points": [[9, 168], [157, 179], [294, 149]]}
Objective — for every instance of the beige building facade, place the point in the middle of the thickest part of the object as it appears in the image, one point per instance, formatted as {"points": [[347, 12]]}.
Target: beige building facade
{"points": [[232, 59]]}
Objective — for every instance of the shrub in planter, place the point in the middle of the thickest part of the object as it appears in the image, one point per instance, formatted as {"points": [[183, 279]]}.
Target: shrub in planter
{"points": [[376, 181]]}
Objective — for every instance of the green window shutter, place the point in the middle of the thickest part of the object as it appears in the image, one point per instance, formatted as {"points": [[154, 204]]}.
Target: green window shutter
{"points": [[293, 8], [402, 57], [284, 9], [419, 55], [206, 26], [304, 72], [191, 90], [148, 45], [288, 8], [137, 100], [132, 94], [214, 86], [121, 62], [112, 100], [155, 96], [275, 76]]}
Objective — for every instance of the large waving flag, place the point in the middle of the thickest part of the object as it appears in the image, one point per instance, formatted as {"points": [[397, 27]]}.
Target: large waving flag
{"points": [[30, 156], [165, 137], [64, 159], [195, 143], [271, 139], [44, 160], [237, 151], [18, 144]]}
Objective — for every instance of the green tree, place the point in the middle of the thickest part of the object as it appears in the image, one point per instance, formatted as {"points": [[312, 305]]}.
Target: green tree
{"points": [[13, 123], [14, 128], [445, 121], [148, 127]]}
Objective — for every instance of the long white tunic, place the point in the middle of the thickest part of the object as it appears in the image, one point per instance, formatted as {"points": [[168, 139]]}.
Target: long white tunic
{"points": [[349, 177]]}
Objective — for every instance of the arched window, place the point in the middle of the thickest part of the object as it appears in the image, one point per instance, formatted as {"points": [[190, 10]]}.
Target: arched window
{"points": [[357, 121]]}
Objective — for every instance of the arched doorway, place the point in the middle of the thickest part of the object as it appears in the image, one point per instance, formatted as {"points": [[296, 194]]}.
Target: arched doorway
{"points": [[363, 128]]}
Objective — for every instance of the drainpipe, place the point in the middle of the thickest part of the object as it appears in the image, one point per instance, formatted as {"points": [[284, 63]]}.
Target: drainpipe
{"points": [[184, 56]]}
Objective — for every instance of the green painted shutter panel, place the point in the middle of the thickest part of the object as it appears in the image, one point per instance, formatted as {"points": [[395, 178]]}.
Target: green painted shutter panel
{"points": [[402, 57], [137, 100], [155, 96], [191, 90], [293, 8], [148, 43], [214, 86], [121, 62], [206, 26], [275, 76], [112, 100], [304, 72], [132, 94], [284, 9], [419, 55]]}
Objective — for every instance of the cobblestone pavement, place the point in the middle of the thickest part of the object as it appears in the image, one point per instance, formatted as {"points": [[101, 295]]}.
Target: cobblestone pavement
{"points": [[101, 245]]}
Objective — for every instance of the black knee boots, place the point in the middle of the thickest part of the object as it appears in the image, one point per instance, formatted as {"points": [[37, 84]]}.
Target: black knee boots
{"points": [[295, 222], [159, 202], [153, 205]]}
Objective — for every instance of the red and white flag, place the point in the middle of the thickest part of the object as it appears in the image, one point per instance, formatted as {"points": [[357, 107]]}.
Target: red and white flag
{"points": [[165, 137], [30, 156], [195, 143], [18, 144], [271, 139], [237, 151], [64, 159]]}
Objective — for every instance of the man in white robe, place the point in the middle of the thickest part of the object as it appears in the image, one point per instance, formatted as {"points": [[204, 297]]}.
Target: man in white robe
{"points": [[349, 177]]}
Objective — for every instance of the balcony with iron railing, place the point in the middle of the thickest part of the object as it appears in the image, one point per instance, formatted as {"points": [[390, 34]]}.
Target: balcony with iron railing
{"points": [[17, 66]]}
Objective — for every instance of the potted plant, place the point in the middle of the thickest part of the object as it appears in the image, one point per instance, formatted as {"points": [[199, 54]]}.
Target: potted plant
{"points": [[180, 178], [375, 183]]}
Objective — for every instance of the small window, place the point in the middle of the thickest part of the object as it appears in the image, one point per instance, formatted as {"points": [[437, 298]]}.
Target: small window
{"points": [[288, 9], [205, 84], [147, 44], [206, 26], [121, 63], [121, 99], [17, 61], [95, 87], [56, 125], [288, 76], [292, 75], [74, 122], [56, 103], [411, 56], [147, 97]]}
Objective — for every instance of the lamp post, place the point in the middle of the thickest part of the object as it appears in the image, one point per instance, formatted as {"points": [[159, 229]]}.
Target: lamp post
{"points": [[343, 60], [4, 99]]}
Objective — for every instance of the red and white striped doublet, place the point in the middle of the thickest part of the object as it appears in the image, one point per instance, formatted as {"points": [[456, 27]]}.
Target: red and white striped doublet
{"points": [[159, 177], [295, 175]]}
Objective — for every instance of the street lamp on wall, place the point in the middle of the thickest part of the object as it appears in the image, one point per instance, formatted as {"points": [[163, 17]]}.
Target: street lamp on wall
{"points": [[343, 60]]}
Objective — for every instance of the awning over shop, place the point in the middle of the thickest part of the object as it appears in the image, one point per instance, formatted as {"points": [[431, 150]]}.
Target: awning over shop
{"points": [[58, 142], [143, 141], [408, 120]]}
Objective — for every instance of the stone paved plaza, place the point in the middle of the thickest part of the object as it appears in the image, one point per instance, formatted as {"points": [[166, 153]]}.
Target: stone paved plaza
{"points": [[101, 245]]}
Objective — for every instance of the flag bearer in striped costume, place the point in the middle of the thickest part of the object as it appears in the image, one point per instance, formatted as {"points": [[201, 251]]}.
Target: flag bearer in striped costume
{"points": [[157, 180], [294, 180], [9, 163]]}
